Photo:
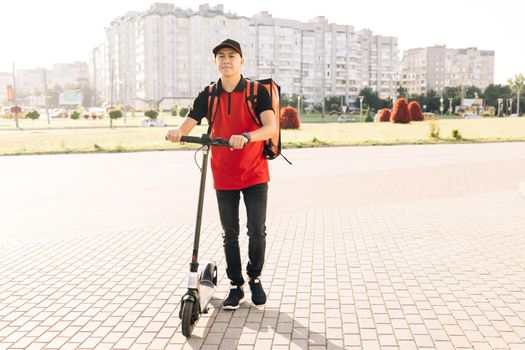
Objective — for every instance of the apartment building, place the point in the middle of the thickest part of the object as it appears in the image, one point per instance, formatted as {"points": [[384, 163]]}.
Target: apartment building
{"points": [[434, 68], [314, 59], [163, 56], [379, 63]]}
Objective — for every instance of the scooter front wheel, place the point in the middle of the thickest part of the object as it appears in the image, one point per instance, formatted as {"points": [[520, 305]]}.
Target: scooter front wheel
{"points": [[187, 318]]}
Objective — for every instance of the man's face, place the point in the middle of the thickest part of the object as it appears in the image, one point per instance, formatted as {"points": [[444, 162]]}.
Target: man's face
{"points": [[229, 62]]}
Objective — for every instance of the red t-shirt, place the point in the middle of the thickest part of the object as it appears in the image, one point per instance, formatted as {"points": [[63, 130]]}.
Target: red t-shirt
{"points": [[235, 169]]}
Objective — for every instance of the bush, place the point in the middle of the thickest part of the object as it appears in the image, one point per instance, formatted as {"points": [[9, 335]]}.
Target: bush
{"points": [[434, 131], [400, 112], [384, 115], [415, 112], [151, 114], [183, 111], [289, 118], [75, 115], [33, 115], [456, 135], [115, 114]]}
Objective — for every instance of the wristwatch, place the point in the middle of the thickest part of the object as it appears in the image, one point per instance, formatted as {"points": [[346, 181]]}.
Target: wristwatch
{"points": [[248, 137]]}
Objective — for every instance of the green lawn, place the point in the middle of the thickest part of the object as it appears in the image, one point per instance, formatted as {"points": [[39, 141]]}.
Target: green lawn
{"points": [[61, 123], [97, 138]]}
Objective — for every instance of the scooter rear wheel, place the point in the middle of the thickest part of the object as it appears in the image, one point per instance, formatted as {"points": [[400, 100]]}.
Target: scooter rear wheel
{"points": [[187, 318]]}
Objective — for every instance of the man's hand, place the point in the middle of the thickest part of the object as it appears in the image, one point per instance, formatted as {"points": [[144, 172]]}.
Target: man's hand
{"points": [[174, 135], [238, 141]]}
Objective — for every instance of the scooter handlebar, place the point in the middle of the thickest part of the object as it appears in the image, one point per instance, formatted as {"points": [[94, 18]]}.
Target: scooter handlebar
{"points": [[205, 139]]}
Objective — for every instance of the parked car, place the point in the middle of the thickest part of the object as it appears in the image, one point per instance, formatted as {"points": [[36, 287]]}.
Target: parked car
{"points": [[471, 116], [96, 112], [346, 119], [513, 115], [58, 113], [152, 123]]}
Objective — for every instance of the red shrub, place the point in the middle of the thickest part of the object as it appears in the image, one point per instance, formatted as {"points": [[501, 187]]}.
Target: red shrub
{"points": [[289, 118], [384, 115], [415, 111], [400, 112]]}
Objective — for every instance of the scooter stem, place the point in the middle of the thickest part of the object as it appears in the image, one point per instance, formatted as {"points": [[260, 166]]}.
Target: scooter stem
{"points": [[194, 259]]}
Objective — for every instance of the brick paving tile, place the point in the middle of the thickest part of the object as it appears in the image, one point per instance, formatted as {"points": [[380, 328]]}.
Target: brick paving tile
{"points": [[399, 247]]}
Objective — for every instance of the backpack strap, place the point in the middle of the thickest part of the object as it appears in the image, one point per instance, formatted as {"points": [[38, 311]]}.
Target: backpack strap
{"points": [[250, 93], [213, 103]]}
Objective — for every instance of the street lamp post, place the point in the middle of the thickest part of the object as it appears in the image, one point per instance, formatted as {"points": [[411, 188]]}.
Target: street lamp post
{"points": [[299, 107], [441, 99], [500, 104], [14, 94], [450, 105], [361, 105]]}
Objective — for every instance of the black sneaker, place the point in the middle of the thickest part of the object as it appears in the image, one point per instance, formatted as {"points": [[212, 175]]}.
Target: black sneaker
{"points": [[258, 294], [234, 299]]}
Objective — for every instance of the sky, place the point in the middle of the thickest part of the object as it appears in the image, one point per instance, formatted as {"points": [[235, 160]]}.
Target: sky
{"points": [[36, 33]]}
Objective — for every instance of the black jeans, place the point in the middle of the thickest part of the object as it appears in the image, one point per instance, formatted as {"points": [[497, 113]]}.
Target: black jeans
{"points": [[255, 199]]}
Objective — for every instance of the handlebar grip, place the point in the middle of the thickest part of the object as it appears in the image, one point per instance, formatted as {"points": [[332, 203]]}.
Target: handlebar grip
{"points": [[220, 142], [192, 139]]}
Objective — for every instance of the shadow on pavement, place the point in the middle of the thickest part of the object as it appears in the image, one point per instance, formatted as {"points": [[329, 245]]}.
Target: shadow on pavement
{"points": [[262, 324]]}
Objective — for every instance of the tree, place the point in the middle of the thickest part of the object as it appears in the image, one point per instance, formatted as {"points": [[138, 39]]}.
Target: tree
{"points": [[387, 103], [431, 100], [292, 101], [472, 91], [493, 92], [402, 91], [151, 114], [419, 98], [454, 93], [517, 86], [400, 113], [370, 99], [114, 114], [332, 103], [75, 115], [33, 115]]}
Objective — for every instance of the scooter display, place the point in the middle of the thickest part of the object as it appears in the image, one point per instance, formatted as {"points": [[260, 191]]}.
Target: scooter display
{"points": [[200, 289]]}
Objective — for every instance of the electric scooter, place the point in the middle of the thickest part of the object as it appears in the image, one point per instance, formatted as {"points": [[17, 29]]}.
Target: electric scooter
{"points": [[200, 289]]}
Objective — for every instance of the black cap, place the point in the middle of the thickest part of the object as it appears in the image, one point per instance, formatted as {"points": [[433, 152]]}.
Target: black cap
{"points": [[230, 43]]}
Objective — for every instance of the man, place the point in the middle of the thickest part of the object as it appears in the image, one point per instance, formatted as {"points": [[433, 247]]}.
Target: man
{"points": [[240, 169]]}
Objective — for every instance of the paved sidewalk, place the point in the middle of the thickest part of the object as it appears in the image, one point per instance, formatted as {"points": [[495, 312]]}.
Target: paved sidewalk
{"points": [[398, 247]]}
